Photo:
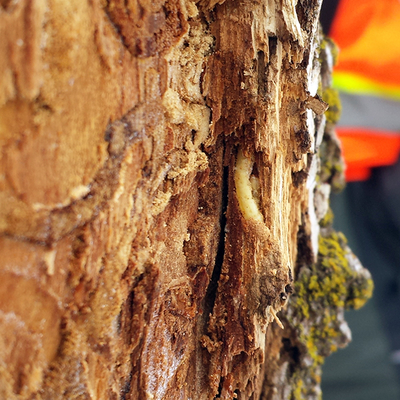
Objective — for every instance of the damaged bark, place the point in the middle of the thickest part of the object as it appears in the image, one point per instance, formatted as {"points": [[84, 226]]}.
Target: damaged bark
{"points": [[166, 170]]}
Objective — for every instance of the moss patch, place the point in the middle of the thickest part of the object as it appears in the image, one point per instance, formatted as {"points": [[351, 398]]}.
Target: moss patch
{"points": [[323, 291], [331, 97], [326, 286]]}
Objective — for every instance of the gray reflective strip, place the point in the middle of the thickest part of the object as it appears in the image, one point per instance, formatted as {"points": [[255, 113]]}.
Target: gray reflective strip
{"points": [[369, 112]]}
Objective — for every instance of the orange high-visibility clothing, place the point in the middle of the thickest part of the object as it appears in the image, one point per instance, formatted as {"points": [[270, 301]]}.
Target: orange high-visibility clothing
{"points": [[368, 35]]}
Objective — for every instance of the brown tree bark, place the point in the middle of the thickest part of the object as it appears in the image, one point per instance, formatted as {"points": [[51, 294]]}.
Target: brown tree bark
{"points": [[165, 175]]}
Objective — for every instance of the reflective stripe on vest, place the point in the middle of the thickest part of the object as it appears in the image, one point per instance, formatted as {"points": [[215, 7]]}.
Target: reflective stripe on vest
{"points": [[372, 112]]}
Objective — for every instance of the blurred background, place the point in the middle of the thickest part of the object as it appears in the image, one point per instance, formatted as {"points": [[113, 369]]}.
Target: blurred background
{"points": [[367, 77]]}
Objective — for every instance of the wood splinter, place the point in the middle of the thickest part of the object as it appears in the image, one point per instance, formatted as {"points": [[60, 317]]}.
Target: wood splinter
{"points": [[278, 321]]}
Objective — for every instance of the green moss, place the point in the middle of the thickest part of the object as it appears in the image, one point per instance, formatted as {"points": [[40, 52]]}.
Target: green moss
{"points": [[328, 42], [331, 97], [330, 278], [332, 166], [327, 220], [300, 385], [298, 389], [360, 293], [321, 290]]}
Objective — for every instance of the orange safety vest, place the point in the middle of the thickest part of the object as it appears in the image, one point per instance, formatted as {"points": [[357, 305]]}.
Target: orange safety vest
{"points": [[367, 33]]}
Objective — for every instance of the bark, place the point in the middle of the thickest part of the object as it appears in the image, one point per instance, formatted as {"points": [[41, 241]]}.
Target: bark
{"points": [[165, 174]]}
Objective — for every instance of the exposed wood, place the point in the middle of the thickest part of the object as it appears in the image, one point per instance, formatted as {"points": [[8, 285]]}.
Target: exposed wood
{"points": [[165, 175]]}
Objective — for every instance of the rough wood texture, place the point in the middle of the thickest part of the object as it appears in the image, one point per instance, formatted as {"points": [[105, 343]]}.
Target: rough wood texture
{"points": [[165, 175]]}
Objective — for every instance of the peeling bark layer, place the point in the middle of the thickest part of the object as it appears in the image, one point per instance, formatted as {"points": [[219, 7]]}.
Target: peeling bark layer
{"points": [[165, 174]]}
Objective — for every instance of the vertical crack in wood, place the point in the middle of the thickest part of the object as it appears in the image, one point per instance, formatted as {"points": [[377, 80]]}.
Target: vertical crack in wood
{"points": [[219, 259]]}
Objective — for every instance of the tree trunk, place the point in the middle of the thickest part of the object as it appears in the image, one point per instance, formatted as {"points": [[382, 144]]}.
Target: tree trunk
{"points": [[165, 174]]}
